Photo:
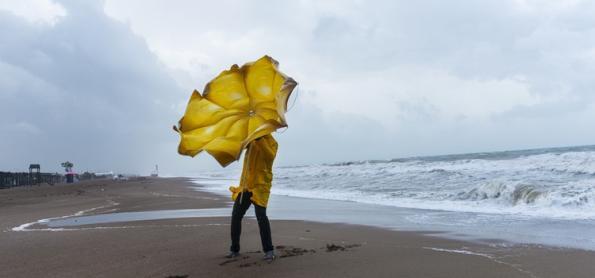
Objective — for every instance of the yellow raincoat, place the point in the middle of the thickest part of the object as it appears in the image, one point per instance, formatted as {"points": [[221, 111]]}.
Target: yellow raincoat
{"points": [[257, 172]]}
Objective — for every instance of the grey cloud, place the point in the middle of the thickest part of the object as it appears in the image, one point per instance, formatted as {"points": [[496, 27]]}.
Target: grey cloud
{"points": [[551, 51], [90, 90], [313, 137], [484, 40]]}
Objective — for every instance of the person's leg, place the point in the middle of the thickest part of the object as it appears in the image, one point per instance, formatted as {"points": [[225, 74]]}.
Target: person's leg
{"points": [[240, 206], [265, 228]]}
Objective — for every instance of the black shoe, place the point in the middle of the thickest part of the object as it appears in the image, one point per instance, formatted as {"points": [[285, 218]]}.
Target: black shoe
{"points": [[232, 255], [269, 256]]}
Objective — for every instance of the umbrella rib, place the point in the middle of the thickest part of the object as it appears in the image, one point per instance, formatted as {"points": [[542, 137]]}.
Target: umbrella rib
{"points": [[273, 84], [246, 88]]}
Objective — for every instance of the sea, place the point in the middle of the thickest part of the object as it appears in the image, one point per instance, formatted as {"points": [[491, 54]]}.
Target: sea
{"points": [[539, 196]]}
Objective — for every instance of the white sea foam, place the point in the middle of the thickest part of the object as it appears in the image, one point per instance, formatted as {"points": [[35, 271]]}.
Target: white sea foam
{"points": [[26, 227], [556, 183], [459, 251]]}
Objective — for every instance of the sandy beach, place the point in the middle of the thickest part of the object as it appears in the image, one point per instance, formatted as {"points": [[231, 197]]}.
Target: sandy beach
{"points": [[194, 246]]}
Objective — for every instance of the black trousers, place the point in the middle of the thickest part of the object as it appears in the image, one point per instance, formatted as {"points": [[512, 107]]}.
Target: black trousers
{"points": [[240, 207]]}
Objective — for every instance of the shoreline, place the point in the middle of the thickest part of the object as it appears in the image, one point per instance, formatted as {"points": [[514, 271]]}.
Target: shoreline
{"points": [[195, 246], [486, 228]]}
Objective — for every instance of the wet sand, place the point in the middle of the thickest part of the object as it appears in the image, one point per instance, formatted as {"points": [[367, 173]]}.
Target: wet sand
{"points": [[194, 247]]}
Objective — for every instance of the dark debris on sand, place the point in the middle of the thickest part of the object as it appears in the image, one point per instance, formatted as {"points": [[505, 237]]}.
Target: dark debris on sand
{"points": [[229, 261], [334, 247], [285, 251], [177, 276], [248, 264]]}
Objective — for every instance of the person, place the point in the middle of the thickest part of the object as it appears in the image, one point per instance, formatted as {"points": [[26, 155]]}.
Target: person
{"points": [[254, 188]]}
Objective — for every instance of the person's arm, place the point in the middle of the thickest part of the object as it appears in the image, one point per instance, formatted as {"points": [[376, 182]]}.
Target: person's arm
{"points": [[269, 145]]}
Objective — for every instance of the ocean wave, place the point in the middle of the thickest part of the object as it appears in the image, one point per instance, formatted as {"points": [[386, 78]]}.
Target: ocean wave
{"points": [[513, 194], [544, 184]]}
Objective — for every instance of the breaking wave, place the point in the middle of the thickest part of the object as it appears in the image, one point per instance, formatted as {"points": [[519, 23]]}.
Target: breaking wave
{"points": [[543, 183]]}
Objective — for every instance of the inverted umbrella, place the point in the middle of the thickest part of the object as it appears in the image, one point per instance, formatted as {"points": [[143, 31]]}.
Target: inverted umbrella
{"points": [[238, 106]]}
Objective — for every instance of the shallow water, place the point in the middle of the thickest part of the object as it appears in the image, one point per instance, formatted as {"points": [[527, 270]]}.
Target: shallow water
{"points": [[119, 217], [457, 225]]}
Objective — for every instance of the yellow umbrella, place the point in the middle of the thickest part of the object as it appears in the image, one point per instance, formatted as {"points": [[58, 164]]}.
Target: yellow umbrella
{"points": [[238, 106]]}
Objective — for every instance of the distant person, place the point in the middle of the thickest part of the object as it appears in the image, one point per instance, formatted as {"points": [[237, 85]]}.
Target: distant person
{"points": [[254, 188]]}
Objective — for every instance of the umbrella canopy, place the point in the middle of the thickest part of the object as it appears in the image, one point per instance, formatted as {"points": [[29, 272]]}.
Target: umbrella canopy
{"points": [[238, 106]]}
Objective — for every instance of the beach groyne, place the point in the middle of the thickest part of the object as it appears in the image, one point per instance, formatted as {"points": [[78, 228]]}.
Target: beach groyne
{"points": [[12, 179]]}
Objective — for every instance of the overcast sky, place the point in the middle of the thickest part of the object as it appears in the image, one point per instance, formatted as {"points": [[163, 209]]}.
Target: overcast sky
{"points": [[100, 83]]}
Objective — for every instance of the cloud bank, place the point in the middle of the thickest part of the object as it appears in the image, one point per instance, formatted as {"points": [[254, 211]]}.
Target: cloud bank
{"points": [[101, 82], [84, 89]]}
